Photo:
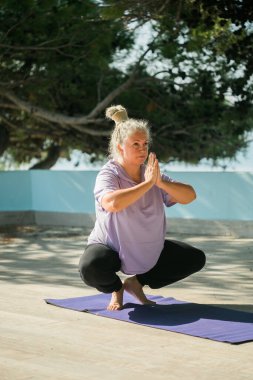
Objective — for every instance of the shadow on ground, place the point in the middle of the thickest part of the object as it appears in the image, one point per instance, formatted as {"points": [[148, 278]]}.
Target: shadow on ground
{"points": [[49, 256]]}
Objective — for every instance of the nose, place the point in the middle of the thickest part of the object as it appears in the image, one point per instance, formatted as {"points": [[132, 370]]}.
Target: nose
{"points": [[144, 147]]}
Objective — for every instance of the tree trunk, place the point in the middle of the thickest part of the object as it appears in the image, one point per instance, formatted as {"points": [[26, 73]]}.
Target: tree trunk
{"points": [[4, 139], [50, 160]]}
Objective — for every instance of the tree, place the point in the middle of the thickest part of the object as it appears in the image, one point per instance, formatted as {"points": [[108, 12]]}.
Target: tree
{"points": [[55, 70], [58, 74]]}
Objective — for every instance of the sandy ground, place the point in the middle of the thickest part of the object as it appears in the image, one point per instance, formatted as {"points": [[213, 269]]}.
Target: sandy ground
{"points": [[40, 341]]}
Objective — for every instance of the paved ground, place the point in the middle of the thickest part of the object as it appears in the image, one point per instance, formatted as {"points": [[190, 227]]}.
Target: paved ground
{"points": [[39, 341]]}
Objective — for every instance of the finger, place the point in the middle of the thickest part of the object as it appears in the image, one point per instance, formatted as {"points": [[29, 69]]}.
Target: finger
{"points": [[149, 158], [158, 169], [152, 158], [157, 165], [154, 168]]}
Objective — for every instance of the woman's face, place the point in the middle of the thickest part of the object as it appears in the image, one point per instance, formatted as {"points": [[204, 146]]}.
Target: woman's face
{"points": [[134, 150]]}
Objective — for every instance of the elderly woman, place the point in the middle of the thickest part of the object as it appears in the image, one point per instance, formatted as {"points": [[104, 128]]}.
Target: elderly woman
{"points": [[130, 227]]}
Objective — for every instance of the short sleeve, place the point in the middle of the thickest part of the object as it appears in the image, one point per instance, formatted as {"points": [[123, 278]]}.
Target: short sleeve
{"points": [[166, 197], [106, 182]]}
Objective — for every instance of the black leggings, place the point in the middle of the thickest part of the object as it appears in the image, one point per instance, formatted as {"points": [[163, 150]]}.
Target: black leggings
{"points": [[99, 264]]}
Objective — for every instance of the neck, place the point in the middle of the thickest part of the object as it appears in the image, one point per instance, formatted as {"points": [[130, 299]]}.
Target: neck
{"points": [[134, 171]]}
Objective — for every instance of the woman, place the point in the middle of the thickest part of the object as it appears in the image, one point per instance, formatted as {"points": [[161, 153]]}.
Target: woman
{"points": [[130, 228]]}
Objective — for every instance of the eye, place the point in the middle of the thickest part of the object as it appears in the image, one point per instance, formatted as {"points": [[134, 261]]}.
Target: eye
{"points": [[138, 145]]}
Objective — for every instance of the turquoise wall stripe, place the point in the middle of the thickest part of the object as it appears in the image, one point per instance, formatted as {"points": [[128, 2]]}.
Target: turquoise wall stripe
{"points": [[15, 191], [63, 191], [220, 195]]}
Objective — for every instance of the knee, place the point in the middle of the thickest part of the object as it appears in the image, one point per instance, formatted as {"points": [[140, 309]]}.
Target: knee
{"points": [[89, 265], [201, 259]]}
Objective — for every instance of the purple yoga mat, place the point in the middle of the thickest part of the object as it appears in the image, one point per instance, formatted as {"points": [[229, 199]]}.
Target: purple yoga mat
{"points": [[205, 321]]}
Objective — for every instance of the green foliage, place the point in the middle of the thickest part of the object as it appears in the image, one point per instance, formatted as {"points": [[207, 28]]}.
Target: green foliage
{"points": [[59, 55], [54, 54]]}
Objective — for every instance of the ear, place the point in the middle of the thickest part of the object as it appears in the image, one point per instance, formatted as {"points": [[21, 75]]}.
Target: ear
{"points": [[120, 149]]}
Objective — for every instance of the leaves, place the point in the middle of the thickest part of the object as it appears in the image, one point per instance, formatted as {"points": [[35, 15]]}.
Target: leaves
{"points": [[194, 84]]}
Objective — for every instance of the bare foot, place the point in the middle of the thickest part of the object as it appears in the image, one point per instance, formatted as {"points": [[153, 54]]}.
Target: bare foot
{"points": [[116, 302], [133, 287]]}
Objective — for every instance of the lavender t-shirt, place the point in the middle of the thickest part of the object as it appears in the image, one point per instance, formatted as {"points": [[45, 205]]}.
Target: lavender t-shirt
{"points": [[137, 232]]}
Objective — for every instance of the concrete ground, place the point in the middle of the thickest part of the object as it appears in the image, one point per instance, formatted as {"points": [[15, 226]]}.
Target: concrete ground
{"points": [[40, 341]]}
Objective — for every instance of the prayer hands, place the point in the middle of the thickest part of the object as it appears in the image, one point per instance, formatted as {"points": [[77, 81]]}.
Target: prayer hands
{"points": [[152, 172]]}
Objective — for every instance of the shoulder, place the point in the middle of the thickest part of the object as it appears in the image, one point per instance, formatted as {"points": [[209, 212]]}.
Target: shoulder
{"points": [[107, 179], [110, 168], [107, 175]]}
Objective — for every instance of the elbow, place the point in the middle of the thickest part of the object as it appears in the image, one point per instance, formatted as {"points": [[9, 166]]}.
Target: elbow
{"points": [[113, 206], [191, 196], [110, 204], [115, 209], [194, 195]]}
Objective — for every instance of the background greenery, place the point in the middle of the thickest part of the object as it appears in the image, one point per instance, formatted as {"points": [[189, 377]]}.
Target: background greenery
{"points": [[63, 62]]}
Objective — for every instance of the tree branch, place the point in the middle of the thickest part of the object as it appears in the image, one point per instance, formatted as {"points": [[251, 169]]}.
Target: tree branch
{"points": [[179, 11], [76, 122], [162, 9], [15, 47], [110, 97], [9, 106], [53, 154], [16, 25], [60, 119]]}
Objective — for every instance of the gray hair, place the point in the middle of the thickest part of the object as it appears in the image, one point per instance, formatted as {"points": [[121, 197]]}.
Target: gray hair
{"points": [[124, 127]]}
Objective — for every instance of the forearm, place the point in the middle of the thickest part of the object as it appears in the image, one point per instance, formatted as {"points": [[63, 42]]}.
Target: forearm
{"points": [[120, 199], [180, 192]]}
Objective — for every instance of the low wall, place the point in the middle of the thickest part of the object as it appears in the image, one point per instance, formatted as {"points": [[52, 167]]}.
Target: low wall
{"points": [[43, 197]]}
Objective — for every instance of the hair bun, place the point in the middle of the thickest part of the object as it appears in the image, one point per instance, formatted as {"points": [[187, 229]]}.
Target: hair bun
{"points": [[116, 113]]}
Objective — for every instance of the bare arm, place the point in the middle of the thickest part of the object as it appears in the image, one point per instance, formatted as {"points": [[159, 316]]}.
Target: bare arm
{"points": [[179, 192], [119, 199]]}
